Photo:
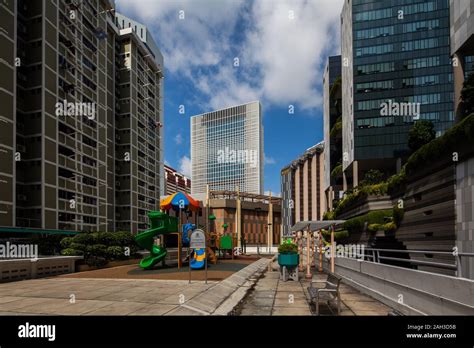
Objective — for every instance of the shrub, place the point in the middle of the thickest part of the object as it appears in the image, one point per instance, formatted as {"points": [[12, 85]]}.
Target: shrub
{"points": [[443, 147], [98, 248], [372, 228], [390, 227], [66, 242], [288, 248], [379, 216], [354, 225], [83, 238], [348, 200], [397, 182], [77, 246], [338, 235], [71, 252], [115, 252], [372, 177], [329, 215]]}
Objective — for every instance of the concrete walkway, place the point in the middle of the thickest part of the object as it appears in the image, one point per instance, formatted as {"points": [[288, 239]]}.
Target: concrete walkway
{"points": [[271, 296], [83, 296], [353, 301]]}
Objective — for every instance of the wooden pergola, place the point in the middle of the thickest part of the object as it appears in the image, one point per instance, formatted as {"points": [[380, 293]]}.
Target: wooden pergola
{"points": [[311, 226]]}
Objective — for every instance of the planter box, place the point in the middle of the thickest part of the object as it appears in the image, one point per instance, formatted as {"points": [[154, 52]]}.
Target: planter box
{"points": [[288, 260]]}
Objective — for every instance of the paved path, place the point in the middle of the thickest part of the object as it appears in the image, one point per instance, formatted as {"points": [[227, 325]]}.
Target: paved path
{"points": [[274, 297], [271, 296], [83, 296], [353, 301]]}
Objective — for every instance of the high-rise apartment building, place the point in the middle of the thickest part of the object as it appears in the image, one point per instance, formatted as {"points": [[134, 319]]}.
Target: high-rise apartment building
{"points": [[302, 189], [176, 181], [332, 118], [139, 156], [73, 85], [395, 58], [227, 150], [462, 44]]}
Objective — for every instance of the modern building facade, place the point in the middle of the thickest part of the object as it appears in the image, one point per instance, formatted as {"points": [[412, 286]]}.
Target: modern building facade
{"points": [[302, 188], [462, 44], [176, 181], [393, 53], [64, 104], [227, 150], [332, 114]]}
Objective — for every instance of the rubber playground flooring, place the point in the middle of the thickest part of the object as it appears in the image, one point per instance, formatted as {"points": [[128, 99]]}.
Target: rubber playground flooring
{"points": [[219, 271]]}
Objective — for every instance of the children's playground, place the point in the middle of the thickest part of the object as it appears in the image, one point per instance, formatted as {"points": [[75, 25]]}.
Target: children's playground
{"points": [[167, 247]]}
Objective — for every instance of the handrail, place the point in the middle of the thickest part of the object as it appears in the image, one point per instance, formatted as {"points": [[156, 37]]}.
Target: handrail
{"points": [[421, 252], [373, 255]]}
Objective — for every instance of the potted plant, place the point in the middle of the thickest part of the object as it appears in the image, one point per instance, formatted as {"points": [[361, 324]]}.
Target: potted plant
{"points": [[288, 255]]}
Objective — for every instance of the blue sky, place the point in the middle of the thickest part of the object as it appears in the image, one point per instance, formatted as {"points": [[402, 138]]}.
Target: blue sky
{"points": [[281, 45]]}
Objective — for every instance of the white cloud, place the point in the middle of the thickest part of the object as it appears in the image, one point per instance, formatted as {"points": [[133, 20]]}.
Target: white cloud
{"points": [[269, 160], [281, 59], [178, 139], [185, 166]]}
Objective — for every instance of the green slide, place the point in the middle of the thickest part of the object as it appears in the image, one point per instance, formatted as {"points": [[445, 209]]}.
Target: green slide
{"points": [[160, 223]]}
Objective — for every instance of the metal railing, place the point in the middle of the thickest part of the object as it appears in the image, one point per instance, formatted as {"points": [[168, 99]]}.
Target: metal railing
{"points": [[373, 255]]}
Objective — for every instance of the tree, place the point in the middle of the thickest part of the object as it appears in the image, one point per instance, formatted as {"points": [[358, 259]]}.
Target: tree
{"points": [[467, 96], [420, 134]]}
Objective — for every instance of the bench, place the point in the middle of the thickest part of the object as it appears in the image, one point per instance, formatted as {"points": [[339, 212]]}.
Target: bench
{"points": [[329, 292]]}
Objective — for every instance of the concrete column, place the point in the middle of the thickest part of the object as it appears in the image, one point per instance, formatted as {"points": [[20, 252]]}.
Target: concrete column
{"points": [[399, 165], [458, 75], [306, 190], [297, 194], [344, 181], [330, 198], [355, 173]]}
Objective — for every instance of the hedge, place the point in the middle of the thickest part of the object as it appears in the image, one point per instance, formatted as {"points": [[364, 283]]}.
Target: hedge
{"points": [[459, 138], [98, 248], [453, 140]]}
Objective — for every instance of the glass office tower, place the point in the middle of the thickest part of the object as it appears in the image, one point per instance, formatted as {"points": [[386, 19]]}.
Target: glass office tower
{"points": [[396, 51], [227, 150]]}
